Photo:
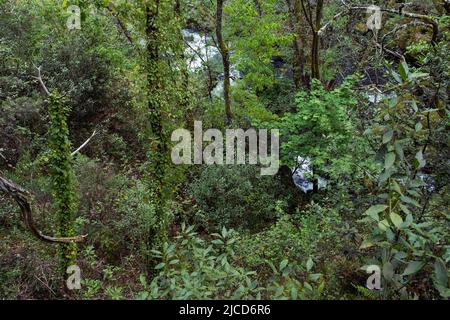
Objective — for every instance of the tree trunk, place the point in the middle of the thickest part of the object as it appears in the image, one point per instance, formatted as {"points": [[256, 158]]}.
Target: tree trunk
{"points": [[315, 64], [314, 22], [158, 142], [225, 60], [298, 61]]}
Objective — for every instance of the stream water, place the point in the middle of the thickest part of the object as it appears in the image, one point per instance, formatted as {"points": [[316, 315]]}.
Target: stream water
{"points": [[200, 49]]}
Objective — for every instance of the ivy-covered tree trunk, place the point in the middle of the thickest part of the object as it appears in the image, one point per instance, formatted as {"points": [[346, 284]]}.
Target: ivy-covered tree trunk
{"points": [[63, 182], [159, 149], [224, 51]]}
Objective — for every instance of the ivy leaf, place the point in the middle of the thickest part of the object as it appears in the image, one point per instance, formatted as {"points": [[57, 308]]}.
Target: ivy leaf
{"points": [[413, 267], [389, 160], [396, 219]]}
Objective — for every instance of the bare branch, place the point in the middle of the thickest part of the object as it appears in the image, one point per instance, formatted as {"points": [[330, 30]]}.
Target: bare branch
{"points": [[84, 144], [324, 28], [392, 53], [41, 82], [195, 51]]}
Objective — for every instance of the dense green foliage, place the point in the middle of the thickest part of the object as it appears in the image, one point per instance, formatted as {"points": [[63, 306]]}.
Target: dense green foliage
{"points": [[370, 112]]}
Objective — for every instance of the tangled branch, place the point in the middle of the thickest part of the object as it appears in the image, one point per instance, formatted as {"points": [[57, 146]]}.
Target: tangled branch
{"points": [[21, 197]]}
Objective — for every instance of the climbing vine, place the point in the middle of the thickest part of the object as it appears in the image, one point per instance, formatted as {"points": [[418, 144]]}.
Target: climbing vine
{"points": [[63, 188]]}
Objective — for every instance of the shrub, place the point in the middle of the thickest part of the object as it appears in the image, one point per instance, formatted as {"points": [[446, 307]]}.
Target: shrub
{"points": [[234, 196], [194, 268]]}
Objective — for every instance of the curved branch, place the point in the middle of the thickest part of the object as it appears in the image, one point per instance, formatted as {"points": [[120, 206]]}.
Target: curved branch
{"points": [[21, 197], [84, 144]]}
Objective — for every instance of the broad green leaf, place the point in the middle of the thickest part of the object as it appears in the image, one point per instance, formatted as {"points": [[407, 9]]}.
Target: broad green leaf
{"points": [[404, 70], [417, 183], [396, 187], [388, 136], [160, 266], [389, 160], [408, 200], [373, 211], [389, 234], [420, 161], [413, 267], [143, 280], [399, 150], [396, 77], [414, 105], [441, 273], [396, 219], [400, 255], [294, 293], [418, 75], [308, 286], [383, 225], [384, 176], [366, 244], [418, 126], [309, 264], [315, 276], [404, 208], [408, 222], [393, 102], [388, 271]]}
